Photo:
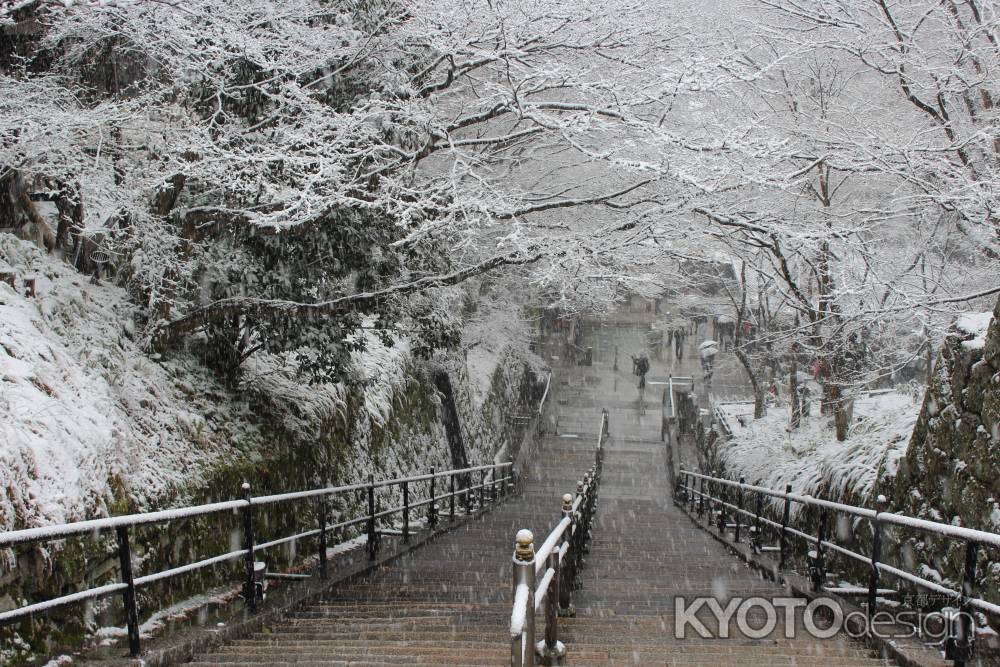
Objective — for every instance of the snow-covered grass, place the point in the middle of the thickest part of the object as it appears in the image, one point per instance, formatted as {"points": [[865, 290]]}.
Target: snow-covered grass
{"points": [[811, 459]]}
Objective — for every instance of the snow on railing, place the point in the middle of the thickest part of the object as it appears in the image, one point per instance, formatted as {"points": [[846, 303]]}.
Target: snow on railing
{"points": [[518, 617], [545, 394], [491, 488], [561, 550], [554, 538], [959, 645]]}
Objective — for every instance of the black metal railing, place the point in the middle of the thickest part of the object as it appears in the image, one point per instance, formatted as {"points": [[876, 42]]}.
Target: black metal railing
{"points": [[544, 580], [739, 507], [474, 487]]}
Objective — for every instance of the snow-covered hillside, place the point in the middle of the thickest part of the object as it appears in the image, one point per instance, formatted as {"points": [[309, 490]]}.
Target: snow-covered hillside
{"points": [[87, 419], [811, 459], [91, 424]]}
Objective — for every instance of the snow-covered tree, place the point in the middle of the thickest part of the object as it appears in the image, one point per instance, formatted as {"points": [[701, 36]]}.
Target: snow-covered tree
{"points": [[257, 171]]}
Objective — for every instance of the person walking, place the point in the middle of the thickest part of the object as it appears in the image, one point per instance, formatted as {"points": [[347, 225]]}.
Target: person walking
{"points": [[640, 366], [707, 352]]}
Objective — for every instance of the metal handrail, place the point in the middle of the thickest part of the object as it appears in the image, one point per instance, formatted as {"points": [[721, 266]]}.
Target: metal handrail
{"points": [[959, 645], [489, 480], [545, 394], [673, 407], [558, 561]]}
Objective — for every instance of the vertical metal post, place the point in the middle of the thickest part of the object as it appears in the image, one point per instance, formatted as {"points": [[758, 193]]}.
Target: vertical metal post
{"points": [[482, 489], [672, 479], [581, 532], [783, 541], [323, 573], [692, 491], [964, 643], [128, 594], [663, 421], [739, 504], [451, 497], [701, 499], [587, 507], [873, 576], [432, 518], [723, 517], [820, 577], [406, 512], [372, 537], [566, 579], [468, 493], [757, 524], [553, 650], [713, 495], [522, 648], [249, 589]]}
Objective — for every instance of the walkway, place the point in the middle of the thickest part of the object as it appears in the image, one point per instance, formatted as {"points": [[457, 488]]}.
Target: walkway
{"points": [[646, 551], [448, 603]]}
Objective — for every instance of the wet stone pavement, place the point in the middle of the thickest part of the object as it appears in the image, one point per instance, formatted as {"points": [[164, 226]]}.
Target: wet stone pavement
{"points": [[449, 602], [646, 552]]}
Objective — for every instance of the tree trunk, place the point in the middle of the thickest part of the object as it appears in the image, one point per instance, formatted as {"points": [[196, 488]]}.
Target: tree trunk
{"points": [[841, 413], [793, 391], [929, 355], [452, 426], [758, 390]]}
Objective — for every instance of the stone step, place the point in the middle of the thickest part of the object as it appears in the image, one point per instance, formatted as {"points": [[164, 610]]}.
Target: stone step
{"points": [[449, 602]]}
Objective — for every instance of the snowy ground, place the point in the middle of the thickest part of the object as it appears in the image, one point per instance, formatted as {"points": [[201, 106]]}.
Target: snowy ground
{"points": [[810, 458]]}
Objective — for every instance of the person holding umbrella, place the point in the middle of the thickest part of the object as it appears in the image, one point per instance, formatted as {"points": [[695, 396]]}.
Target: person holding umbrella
{"points": [[707, 352]]}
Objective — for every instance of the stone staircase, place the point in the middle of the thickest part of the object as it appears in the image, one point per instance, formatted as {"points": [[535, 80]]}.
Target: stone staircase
{"points": [[446, 603], [449, 602]]}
